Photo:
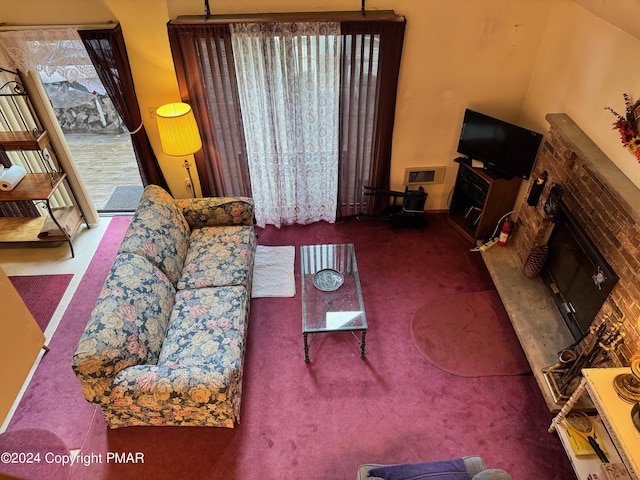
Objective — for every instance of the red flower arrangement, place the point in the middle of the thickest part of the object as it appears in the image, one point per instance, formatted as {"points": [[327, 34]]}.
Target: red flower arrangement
{"points": [[627, 126]]}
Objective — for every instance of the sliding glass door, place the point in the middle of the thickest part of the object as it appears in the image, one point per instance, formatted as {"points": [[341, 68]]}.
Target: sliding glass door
{"points": [[312, 109]]}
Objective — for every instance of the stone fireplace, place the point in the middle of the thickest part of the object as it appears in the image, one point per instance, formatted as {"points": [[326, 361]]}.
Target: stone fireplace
{"points": [[607, 206]]}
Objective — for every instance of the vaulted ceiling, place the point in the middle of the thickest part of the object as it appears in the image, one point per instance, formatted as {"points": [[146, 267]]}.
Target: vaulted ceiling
{"points": [[623, 14]]}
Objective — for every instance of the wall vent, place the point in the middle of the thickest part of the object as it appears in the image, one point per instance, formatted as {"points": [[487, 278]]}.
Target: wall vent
{"points": [[423, 175]]}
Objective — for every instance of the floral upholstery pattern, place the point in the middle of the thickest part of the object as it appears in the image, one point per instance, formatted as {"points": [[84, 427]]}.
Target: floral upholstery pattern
{"points": [[198, 377], [127, 326], [163, 396], [215, 253], [211, 212], [159, 232], [165, 342], [207, 328]]}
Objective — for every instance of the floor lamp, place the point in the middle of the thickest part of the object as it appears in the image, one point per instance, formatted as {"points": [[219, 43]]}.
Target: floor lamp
{"points": [[179, 134]]}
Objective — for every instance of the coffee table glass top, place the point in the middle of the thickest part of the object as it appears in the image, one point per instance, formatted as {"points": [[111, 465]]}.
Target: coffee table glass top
{"points": [[331, 294]]}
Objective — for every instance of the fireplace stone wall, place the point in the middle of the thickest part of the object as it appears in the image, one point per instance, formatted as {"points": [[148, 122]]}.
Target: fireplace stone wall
{"points": [[607, 205]]}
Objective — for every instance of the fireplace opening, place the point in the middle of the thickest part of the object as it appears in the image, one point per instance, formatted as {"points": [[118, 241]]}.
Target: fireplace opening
{"points": [[576, 273]]}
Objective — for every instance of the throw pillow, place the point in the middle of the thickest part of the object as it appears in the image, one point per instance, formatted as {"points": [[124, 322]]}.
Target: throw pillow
{"points": [[453, 469]]}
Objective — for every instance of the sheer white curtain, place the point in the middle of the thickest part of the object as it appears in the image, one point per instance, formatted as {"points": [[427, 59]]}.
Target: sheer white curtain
{"points": [[289, 81], [51, 53], [56, 54]]}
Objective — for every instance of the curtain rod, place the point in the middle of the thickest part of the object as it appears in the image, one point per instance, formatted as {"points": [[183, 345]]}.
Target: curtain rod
{"points": [[344, 16], [7, 27]]}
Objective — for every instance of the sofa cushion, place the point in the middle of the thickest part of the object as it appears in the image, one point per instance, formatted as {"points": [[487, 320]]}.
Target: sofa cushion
{"points": [[127, 326], [219, 256], [207, 328], [159, 232]]}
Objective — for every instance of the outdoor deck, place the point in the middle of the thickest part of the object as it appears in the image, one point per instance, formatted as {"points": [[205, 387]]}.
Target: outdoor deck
{"points": [[106, 161]]}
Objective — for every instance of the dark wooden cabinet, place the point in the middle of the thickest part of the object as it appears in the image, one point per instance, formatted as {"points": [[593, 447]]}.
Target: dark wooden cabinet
{"points": [[480, 198]]}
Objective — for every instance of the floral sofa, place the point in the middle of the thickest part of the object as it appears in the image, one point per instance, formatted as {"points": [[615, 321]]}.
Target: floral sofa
{"points": [[165, 342]]}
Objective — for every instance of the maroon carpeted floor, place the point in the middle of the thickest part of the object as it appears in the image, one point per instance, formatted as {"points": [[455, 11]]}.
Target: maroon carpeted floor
{"points": [[41, 294], [321, 420], [468, 334]]}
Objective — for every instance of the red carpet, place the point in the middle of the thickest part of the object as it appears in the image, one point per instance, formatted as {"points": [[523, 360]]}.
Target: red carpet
{"points": [[41, 294], [468, 334], [319, 421]]}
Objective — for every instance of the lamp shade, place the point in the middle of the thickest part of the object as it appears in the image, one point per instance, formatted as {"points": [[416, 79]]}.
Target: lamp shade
{"points": [[178, 129]]}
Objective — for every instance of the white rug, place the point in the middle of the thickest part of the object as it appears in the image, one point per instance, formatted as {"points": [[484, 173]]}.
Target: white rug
{"points": [[273, 272]]}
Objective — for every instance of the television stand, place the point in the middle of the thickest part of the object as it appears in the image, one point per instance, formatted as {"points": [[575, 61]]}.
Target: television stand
{"points": [[480, 198]]}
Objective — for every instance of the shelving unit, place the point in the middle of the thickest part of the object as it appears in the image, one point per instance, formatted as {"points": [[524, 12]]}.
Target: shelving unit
{"points": [[39, 187], [583, 465], [21, 133], [615, 414], [12, 141], [479, 200]]}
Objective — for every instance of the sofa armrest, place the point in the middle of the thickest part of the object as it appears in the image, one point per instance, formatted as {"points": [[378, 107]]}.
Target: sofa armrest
{"points": [[169, 395], [96, 373], [107, 347], [217, 211]]}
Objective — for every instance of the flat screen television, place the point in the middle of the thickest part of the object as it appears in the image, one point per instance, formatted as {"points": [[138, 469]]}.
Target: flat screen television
{"points": [[506, 148]]}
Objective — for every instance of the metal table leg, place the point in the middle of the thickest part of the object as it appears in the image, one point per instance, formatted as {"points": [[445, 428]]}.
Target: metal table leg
{"points": [[306, 348], [64, 232]]}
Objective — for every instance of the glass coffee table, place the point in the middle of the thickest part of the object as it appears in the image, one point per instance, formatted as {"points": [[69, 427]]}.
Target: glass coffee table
{"points": [[331, 294]]}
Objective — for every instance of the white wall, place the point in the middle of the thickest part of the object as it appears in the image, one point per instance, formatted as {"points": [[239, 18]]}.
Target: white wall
{"points": [[478, 54], [585, 65]]}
